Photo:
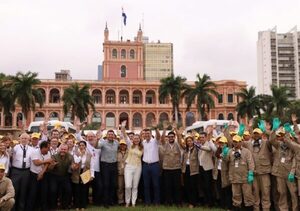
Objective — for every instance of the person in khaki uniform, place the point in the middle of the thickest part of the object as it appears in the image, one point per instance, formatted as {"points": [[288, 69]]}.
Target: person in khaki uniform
{"points": [[221, 175], [241, 168], [190, 170], [284, 167], [295, 147], [171, 165], [261, 152], [7, 191], [121, 157]]}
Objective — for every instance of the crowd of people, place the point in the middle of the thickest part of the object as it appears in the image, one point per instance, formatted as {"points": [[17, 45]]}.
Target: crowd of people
{"points": [[234, 168]]}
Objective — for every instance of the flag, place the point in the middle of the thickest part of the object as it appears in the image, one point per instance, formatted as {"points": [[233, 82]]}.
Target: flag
{"points": [[124, 17]]}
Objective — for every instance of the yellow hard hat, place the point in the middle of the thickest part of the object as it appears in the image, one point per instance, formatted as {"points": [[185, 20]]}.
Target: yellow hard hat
{"points": [[233, 132], [237, 138], [122, 142], [57, 125], [197, 135], [257, 130], [223, 139], [2, 166], [280, 132], [35, 135], [246, 133]]}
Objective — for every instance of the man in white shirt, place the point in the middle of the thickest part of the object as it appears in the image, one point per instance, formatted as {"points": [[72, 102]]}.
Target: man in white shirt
{"points": [[20, 173], [40, 159], [151, 168]]}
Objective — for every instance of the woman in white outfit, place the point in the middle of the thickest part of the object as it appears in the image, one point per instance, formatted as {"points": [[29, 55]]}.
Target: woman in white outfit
{"points": [[133, 170]]}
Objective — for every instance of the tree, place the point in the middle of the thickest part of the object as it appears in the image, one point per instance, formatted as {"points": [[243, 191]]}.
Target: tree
{"points": [[78, 101], [280, 99], [172, 86], [24, 93], [204, 91], [6, 99], [249, 104]]}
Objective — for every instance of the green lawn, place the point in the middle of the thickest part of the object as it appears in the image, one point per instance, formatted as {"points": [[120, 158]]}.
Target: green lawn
{"points": [[159, 208]]}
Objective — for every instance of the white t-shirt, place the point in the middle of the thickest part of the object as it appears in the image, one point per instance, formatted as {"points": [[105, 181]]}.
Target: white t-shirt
{"points": [[37, 155]]}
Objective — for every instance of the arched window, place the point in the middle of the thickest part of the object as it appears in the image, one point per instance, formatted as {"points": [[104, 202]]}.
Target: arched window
{"points": [[39, 116], [53, 116], [123, 54], [54, 96], [230, 116], [97, 96], [114, 54], [163, 117], [189, 119], [220, 116], [110, 120], [123, 71], [110, 96], [96, 118], [149, 118], [137, 120], [132, 54]]}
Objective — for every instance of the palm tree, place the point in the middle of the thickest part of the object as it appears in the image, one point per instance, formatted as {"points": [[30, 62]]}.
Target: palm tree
{"points": [[172, 86], [78, 100], [6, 99], [249, 104], [280, 99], [205, 92], [24, 93]]}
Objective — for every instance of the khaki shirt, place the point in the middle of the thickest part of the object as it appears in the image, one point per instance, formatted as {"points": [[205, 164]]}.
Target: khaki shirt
{"points": [[171, 159], [75, 177], [224, 172], [295, 147], [239, 168], [121, 157], [194, 162], [284, 159], [7, 190], [262, 156]]}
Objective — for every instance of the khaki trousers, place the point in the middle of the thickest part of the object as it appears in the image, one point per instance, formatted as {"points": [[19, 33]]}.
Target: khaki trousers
{"points": [[7, 205], [262, 185], [282, 185], [298, 182], [240, 191], [121, 189]]}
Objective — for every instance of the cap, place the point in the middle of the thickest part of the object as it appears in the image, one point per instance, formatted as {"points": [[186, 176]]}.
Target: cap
{"points": [[280, 132], [71, 135], [246, 133], [122, 142], [197, 135], [223, 139], [237, 138], [233, 132], [2, 166], [57, 125], [35, 135], [1, 136], [257, 130]]}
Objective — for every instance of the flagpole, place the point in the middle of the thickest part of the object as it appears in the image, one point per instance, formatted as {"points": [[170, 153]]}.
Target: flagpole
{"points": [[122, 26]]}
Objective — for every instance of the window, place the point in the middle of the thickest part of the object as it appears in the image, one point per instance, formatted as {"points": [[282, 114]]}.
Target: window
{"points": [[123, 71], [136, 100], [131, 54], [230, 98], [220, 98], [114, 54], [123, 54], [149, 100], [123, 99]]}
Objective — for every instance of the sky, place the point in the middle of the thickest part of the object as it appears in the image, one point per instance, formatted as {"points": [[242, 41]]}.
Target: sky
{"points": [[215, 37]]}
